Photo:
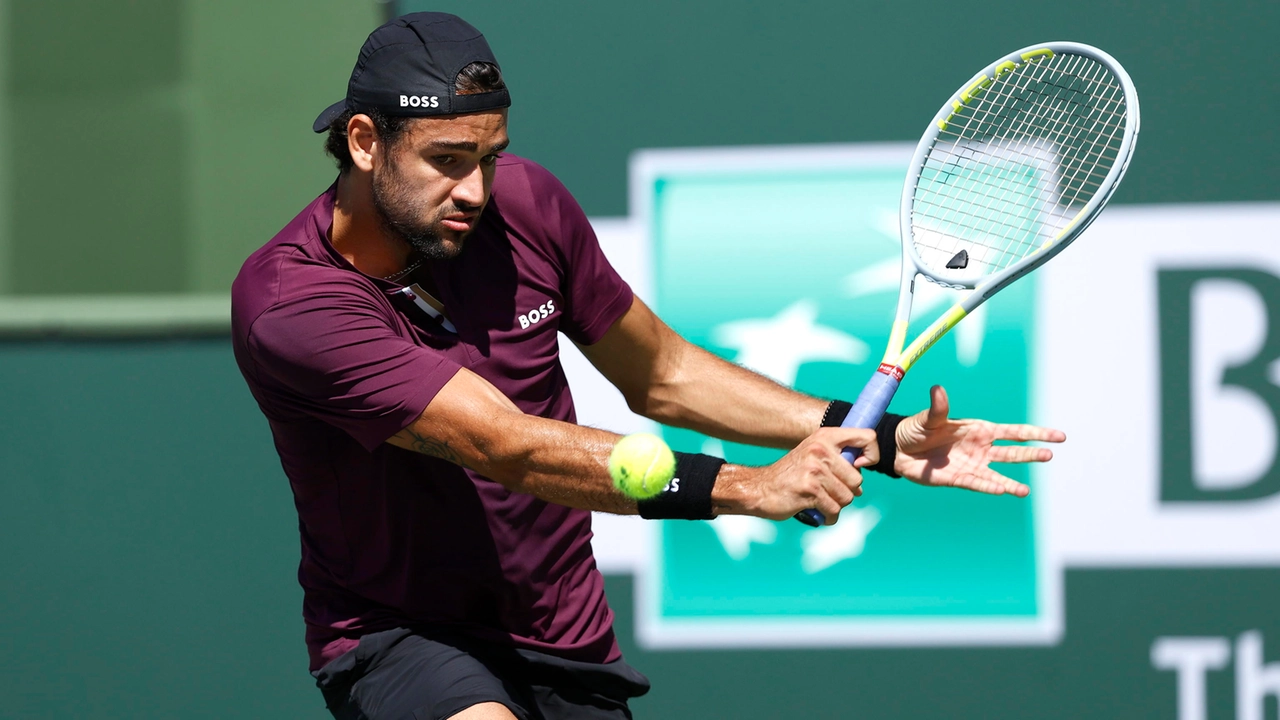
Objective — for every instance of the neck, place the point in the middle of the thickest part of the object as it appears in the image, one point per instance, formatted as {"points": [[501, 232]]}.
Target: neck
{"points": [[357, 234]]}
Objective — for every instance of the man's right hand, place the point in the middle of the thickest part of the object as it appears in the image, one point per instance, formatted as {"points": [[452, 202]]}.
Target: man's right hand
{"points": [[813, 475]]}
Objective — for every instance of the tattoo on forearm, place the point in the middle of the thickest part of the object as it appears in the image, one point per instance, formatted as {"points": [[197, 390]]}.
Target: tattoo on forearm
{"points": [[430, 446]]}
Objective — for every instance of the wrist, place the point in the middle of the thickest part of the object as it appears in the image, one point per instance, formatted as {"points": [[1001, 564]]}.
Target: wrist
{"points": [[837, 411], [688, 495], [886, 435], [887, 441], [734, 492]]}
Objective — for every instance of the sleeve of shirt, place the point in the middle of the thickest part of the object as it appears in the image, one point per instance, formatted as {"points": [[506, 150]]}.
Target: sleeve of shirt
{"points": [[335, 356], [594, 292]]}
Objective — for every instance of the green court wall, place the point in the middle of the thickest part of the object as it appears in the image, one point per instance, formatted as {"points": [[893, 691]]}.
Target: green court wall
{"points": [[152, 144], [592, 81], [150, 549]]}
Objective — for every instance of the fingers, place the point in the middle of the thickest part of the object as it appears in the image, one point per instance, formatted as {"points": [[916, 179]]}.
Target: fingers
{"points": [[836, 483], [829, 508], [1029, 433], [846, 482], [991, 482], [843, 482], [840, 438], [939, 408], [1020, 454], [816, 474]]}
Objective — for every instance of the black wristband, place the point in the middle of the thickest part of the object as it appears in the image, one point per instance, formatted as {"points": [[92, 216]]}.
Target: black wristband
{"points": [[887, 439], [837, 411], [886, 434], [688, 495]]}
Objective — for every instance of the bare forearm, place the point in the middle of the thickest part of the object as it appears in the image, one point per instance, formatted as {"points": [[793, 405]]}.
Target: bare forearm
{"points": [[666, 378], [472, 424], [568, 465], [561, 463], [555, 461], [715, 397]]}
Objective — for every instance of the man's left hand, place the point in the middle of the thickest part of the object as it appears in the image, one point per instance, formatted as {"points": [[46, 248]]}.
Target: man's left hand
{"points": [[936, 450]]}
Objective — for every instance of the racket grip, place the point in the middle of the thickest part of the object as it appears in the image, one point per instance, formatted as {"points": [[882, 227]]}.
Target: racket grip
{"points": [[872, 403]]}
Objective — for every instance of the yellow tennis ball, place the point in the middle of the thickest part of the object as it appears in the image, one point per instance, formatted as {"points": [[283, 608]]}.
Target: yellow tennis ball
{"points": [[641, 465]]}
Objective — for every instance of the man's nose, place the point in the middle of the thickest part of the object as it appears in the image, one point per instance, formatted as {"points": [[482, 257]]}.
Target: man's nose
{"points": [[469, 192]]}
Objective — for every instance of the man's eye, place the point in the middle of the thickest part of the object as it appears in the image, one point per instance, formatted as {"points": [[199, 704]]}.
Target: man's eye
{"points": [[445, 159], [491, 159]]}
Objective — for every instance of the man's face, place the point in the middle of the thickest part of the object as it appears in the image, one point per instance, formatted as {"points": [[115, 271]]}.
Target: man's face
{"points": [[430, 187]]}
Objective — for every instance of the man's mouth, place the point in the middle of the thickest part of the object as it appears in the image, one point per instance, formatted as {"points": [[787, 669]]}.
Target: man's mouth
{"points": [[460, 222]]}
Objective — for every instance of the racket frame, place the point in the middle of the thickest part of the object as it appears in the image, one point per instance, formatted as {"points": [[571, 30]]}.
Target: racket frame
{"points": [[874, 399], [984, 286]]}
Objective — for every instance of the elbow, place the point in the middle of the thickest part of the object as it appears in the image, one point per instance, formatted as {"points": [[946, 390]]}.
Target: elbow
{"points": [[663, 391], [510, 469], [508, 456], [637, 403], [660, 403], [495, 451]]}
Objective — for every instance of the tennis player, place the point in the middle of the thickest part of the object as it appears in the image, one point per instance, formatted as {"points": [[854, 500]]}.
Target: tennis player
{"points": [[400, 335]]}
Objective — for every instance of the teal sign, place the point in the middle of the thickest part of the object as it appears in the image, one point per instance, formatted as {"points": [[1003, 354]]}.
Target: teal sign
{"points": [[787, 262]]}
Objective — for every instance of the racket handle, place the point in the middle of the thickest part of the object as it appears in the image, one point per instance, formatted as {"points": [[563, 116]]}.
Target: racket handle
{"points": [[872, 403]]}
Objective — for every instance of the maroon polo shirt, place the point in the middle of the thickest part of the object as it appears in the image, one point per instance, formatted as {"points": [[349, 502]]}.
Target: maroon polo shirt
{"points": [[339, 362]]}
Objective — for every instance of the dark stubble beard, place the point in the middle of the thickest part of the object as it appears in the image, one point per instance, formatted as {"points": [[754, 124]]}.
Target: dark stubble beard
{"points": [[399, 215]]}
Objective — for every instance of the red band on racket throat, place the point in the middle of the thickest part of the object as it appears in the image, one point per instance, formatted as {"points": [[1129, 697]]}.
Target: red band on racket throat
{"points": [[893, 370]]}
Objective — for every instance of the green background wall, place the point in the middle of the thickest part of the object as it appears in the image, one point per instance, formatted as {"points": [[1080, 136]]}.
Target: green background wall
{"points": [[150, 550], [153, 144], [147, 146], [592, 81]]}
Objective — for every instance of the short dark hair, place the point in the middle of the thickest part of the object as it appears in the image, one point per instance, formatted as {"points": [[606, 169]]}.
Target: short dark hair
{"points": [[478, 78], [389, 128], [474, 79]]}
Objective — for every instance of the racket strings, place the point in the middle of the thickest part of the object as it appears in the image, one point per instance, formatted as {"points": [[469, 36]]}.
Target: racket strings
{"points": [[1103, 108], [1016, 123], [1015, 166], [1092, 158], [1049, 115]]}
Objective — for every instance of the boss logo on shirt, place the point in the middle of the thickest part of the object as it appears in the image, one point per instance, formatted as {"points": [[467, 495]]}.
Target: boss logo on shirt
{"points": [[419, 101], [536, 315]]}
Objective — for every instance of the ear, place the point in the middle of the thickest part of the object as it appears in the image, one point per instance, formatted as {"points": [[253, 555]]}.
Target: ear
{"points": [[362, 142]]}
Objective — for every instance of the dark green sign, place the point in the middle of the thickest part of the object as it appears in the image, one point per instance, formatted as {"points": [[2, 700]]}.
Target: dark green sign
{"points": [[1252, 375]]}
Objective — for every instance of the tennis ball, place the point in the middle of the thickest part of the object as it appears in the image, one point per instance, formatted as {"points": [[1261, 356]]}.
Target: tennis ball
{"points": [[641, 465]]}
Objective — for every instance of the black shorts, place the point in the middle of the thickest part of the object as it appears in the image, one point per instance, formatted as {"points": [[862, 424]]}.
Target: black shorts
{"points": [[421, 675]]}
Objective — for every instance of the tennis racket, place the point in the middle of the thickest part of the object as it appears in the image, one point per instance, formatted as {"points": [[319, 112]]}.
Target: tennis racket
{"points": [[1012, 169]]}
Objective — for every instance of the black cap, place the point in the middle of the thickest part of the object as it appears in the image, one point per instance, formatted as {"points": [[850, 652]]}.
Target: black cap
{"points": [[408, 67]]}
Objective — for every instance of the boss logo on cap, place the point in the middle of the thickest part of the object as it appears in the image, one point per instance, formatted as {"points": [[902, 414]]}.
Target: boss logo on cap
{"points": [[432, 101]]}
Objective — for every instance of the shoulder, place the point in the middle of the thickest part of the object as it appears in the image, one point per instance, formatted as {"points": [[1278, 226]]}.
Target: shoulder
{"points": [[517, 174], [296, 269], [286, 307], [282, 274], [522, 186], [533, 204]]}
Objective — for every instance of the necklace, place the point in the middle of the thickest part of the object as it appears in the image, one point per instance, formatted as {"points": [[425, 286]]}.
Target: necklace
{"points": [[397, 275]]}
